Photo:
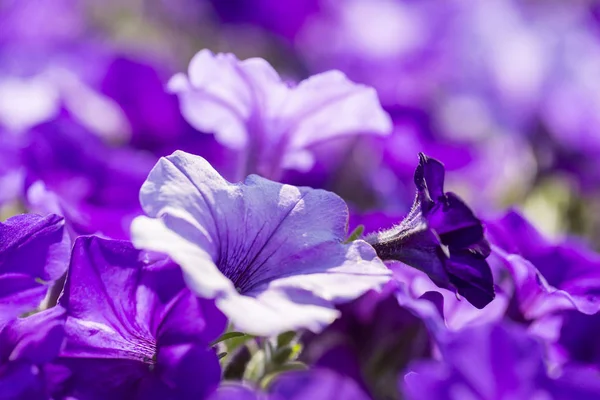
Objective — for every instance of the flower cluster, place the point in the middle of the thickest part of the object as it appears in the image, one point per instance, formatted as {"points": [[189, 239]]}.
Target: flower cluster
{"points": [[244, 230]]}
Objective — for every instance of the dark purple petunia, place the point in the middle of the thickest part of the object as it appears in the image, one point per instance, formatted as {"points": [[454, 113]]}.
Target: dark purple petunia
{"points": [[494, 362], [314, 384], [33, 254], [442, 237], [27, 347], [134, 331]]}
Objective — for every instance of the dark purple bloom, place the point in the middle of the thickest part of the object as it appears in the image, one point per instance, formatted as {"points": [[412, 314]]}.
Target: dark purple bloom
{"points": [[547, 276], [272, 255], [34, 253], [133, 329], [442, 237], [492, 362], [314, 384], [27, 347]]}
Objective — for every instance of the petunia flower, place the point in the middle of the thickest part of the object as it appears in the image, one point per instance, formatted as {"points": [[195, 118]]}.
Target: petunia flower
{"points": [[251, 109], [133, 330], [272, 255], [547, 276], [442, 237], [34, 253], [28, 346]]}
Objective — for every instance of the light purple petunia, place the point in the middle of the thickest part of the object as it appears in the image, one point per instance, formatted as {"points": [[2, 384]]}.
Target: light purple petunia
{"points": [[33, 254], [271, 254], [273, 124], [133, 330]]}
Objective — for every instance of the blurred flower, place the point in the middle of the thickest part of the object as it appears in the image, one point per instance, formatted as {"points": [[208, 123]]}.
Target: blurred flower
{"points": [[496, 361], [455, 312], [250, 109], [283, 19], [71, 171], [576, 342], [547, 276], [133, 329], [34, 254], [442, 237], [271, 254]]}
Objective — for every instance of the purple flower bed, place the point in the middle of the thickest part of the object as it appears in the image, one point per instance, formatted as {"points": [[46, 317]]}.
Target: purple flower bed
{"points": [[299, 200]]}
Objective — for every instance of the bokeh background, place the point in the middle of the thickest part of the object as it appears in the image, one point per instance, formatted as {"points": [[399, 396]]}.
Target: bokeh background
{"points": [[505, 92]]}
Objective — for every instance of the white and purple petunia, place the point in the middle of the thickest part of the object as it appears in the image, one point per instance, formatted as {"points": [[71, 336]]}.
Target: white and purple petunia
{"points": [[273, 124], [272, 255]]}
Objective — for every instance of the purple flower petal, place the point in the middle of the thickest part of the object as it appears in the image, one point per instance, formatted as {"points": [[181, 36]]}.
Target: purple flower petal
{"points": [[317, 384], [259, 248], [96, 185], [547, 276], [33, 254], [486, 362], [132, 320], [26, 347]]}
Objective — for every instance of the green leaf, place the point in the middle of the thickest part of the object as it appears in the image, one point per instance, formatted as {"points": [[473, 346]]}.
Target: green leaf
{"points": [[356, 233], [282, 355], [227, 336], [256, 367], [285, 338]]}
